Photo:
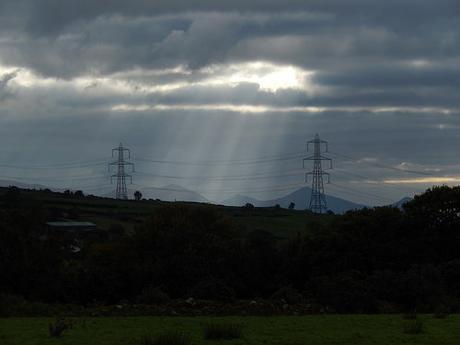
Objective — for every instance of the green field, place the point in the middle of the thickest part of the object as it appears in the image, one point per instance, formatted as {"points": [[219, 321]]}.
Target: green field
{"points": [[289, 330]]}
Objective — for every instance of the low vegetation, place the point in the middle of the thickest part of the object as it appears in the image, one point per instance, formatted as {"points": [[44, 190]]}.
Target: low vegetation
{"points": [[311, 330], [413, 327], [166, 338], [224, 331], [57, 329]]}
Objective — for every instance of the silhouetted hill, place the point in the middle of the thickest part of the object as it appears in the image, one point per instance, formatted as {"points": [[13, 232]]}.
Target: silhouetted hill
{"points": [[240, 200], [9, 183], [172, 193], [401, 202]]}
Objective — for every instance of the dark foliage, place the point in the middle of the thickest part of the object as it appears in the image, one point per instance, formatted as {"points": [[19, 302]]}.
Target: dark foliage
{"points": [[213, 289], [287, 294], [152, 295], [371, 260], [56, 329]]}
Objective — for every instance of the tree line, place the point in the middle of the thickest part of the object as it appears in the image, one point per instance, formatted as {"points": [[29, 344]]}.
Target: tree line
{"points": [[382, 259]]}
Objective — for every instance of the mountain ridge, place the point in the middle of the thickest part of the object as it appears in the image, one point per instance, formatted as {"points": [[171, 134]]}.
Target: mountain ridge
{"points": [[299, 197]]}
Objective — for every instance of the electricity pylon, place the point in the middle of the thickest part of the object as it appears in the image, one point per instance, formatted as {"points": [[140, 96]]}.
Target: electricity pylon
{"points": [[318, 203], [121, 175]]}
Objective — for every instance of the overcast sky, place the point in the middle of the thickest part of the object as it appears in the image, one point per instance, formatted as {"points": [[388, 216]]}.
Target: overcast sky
{"points": [[225, 94]]}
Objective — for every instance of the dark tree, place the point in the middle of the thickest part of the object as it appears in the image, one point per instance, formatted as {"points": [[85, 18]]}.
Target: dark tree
{"points": [[137, 195], [79, 194]]}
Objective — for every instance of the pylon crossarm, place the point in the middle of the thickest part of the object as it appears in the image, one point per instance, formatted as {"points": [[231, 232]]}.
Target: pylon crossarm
{"points": [[131, 165], [326, 144], [129, 152], [323, 158], [307, 159]]}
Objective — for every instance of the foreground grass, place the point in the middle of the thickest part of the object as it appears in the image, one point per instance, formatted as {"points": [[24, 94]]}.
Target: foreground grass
{"points": [[289, 330]]}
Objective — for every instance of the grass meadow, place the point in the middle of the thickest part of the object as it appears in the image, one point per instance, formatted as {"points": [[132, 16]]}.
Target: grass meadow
{"points": [[285, 330]]}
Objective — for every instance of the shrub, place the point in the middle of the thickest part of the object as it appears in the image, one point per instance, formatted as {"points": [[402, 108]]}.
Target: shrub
{"points": [[13, 305], [413, 327], [213, 289], [441, 312], [385, 307], [410, 316], [288, 294], [10, 304], [152, 295], [116, 229], [167, 338], [225, 331], [57, 328]]}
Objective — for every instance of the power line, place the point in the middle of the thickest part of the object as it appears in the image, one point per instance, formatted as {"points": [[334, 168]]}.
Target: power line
{"points": [[222, 178], [52, 178], [121, 174], [259, 190], [360, 193], [55, 166], [385, 166], [266, 159], [386, 185]]}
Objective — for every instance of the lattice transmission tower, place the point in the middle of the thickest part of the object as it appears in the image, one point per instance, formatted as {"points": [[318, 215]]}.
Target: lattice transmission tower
{"points": [[121, 175], [318, 203]]}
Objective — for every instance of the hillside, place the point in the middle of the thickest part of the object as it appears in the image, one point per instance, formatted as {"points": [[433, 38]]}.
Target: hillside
{"points": [[107, 212]]}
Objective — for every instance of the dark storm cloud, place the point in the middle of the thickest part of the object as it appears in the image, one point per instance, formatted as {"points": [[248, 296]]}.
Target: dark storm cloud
{"points": [[69, 38], [47, 16], [363, 53]]}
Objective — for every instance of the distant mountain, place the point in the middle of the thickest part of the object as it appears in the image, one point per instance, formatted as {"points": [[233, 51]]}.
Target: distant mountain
{"points": [[172, 193], [23, 185], [8, 183], [401, 202], [240, 200], [300, 197]]}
